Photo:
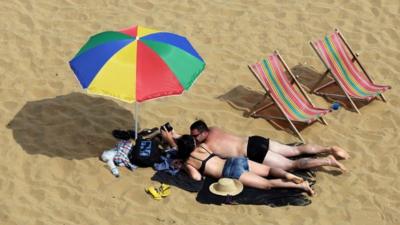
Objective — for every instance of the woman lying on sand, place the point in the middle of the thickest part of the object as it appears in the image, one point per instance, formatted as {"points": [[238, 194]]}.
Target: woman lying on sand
{"points": [[200, 160]]}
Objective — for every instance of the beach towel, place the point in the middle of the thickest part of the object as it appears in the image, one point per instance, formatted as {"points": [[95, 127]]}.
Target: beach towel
{"points": [[180, 180], [274, 197]]}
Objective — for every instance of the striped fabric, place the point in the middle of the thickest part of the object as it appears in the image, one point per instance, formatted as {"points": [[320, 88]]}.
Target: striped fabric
{"points": [[271, 75], [355, 83]]}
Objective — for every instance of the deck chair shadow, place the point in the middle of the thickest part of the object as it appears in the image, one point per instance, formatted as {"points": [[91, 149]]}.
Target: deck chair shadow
{"points": [[287, 95], [345, 71]]}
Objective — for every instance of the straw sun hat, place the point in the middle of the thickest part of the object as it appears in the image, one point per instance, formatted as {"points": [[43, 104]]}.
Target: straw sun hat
{"points": [[226, 186]]}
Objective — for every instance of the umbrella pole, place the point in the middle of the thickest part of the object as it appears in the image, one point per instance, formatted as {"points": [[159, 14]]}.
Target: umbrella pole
{"points": [[136, 119]]}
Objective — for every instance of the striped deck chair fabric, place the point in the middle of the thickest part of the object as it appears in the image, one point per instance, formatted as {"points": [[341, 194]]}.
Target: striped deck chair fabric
{"points": [[293, 104], [337, 58]]}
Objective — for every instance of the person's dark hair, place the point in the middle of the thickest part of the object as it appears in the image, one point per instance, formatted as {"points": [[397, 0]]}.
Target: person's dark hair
{"points": [[199, 125], [186, 145]]}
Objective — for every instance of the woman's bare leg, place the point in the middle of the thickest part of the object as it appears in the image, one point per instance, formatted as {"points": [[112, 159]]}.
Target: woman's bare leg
{"points": [[264, 170], [259, 169], [253, 180]]}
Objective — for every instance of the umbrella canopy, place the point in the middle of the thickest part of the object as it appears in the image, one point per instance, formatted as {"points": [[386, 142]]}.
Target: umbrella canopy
{"points": [[137, 64]]}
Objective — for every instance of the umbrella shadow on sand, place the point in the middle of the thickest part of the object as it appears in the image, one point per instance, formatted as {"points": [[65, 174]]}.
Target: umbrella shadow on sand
{"points": [[73, 126]]}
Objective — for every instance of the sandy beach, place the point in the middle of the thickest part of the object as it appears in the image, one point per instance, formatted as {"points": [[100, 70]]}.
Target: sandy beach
{"points": [[52, 131]]}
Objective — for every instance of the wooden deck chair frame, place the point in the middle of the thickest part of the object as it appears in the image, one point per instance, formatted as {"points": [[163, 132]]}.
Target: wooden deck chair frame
{"points": [[257, 108], [316, 88]]}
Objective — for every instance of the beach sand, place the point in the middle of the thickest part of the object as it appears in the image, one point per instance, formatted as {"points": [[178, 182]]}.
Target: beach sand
{"points": [[52, 132]]}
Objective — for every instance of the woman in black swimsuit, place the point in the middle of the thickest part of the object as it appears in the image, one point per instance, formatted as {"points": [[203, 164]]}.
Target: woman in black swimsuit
{"points": [[200, 161]]}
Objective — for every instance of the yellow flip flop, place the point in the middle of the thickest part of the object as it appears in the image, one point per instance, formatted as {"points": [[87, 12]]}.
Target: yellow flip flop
{"points": [[153, 192], [164, 190]]}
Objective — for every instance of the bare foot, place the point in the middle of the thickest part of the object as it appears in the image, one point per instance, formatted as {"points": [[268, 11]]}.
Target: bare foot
{"points": [[333, 162], [295, 179], [339, 153], [306, 187]]}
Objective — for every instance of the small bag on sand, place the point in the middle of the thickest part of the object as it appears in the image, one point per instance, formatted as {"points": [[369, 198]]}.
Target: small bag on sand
{"points": [[145, 152]]}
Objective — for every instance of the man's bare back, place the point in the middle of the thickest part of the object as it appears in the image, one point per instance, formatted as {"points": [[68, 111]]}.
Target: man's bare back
{"points": [[226, 145]]}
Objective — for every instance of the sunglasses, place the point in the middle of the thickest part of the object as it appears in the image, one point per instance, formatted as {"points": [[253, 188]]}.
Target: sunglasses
{"points": [[195, 135]]}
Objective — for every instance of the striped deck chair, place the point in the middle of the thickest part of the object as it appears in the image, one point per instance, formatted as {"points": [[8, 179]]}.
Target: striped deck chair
{"points": [[294, 104], [341, 64]]}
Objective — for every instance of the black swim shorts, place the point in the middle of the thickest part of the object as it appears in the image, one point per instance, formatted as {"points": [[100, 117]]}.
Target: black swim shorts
{"points": [[257, 148]]}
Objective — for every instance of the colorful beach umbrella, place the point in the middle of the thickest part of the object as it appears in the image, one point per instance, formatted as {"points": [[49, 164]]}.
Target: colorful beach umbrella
{"points": [[137, 64]]}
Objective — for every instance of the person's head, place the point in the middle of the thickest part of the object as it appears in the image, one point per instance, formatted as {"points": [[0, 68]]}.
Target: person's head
{"points": [[199, 130], [186, 145]]}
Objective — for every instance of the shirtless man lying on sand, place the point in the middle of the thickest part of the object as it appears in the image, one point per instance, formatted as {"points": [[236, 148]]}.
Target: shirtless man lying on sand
{"points": [[262, 150]]}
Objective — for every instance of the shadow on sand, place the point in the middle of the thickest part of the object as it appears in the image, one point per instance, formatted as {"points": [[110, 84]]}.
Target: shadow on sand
{"points": [[73, 126]]}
